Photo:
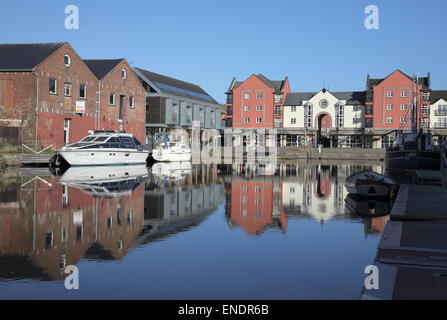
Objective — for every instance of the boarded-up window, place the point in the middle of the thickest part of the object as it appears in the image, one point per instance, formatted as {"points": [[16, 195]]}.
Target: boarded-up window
{"points": [[7, 93]]}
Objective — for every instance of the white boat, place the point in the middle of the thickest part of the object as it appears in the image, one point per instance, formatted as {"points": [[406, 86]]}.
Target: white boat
{"points": [[370, 184], [105, 147], [111, 181], [172, 151]]}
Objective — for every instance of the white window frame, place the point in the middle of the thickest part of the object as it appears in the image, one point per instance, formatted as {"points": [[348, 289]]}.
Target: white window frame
{"points": [[259, 96], [258, 108], [425, 109], [258, 120], [123, 73], [247, 108], [389, 94], [132, 102], [112, 95], [389, 107], [403, 107], [292, 120], [69, 60], [403, 120], [246, 96], [246, 120], [67, 85], [403, 94], [293, 109], [389, 120]]}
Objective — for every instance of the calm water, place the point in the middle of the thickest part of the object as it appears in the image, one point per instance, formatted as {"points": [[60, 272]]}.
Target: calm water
{"points": [[195, 232]]}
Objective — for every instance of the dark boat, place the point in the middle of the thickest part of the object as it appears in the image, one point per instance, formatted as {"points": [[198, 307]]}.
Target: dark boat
{"points": [[413, 148], [413, 151]]}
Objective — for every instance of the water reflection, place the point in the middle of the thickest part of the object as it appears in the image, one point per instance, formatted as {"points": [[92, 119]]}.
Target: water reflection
{"points": [[102, 213], [297, 190]]}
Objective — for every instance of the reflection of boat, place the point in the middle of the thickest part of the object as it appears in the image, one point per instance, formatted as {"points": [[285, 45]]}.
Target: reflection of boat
{"points": [[368, 207], [164, 150], [370, 184], [105, 147], [105, 181], [171, 170]]}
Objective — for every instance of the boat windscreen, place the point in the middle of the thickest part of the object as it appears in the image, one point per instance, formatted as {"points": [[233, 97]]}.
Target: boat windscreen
{"points": [[88, 139]]}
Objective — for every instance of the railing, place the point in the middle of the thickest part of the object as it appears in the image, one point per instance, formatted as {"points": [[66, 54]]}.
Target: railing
{"points": [[441, 112], [444, 163], [38, 147]]}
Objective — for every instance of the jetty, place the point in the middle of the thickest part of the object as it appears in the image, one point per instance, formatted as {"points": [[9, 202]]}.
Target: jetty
{"points": [[412, 253]]}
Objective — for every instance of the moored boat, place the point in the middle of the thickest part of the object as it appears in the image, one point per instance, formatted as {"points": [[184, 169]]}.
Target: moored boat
{"points": [[171, 151], [105, 147], [370, 184]]}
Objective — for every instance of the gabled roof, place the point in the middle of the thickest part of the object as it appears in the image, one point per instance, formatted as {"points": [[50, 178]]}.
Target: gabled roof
{"points": [[424, 81], [278, 85], [102, 67], [26, 56], [437, 95], [174, 86], [351, 97]]}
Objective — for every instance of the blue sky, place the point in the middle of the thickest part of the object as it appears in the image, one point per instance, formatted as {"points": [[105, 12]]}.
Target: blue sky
{"points": [[208, 42]]}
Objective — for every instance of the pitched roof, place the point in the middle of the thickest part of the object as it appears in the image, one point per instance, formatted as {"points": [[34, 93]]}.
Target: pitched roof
{"points": [[296, 98], [176, 87], [101, 67], [438, 95], [278, 85], [26, 56], [424, 81], [351, 97]]}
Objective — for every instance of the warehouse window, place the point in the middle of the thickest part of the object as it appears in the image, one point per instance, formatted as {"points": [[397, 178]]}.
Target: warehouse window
{"points": [[53, 86], [112, 99], [67, 60], [132, 102], [82, 91], [67, 89]]}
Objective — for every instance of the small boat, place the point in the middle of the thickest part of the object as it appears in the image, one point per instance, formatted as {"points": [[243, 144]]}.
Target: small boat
{"points": [[105, 147], [370, 184], [171, 151]]}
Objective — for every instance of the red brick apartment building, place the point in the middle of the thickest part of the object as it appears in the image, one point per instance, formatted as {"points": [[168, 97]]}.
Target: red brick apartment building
{"points": [[50, 94], [388, 104], [256, 102]]}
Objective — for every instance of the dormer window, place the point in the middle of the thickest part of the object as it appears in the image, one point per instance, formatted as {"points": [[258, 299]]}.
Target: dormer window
{"points": [[67, 60], [123, 74]]}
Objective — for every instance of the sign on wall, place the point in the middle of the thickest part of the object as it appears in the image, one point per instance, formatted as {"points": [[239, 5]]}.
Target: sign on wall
{"points": [[80, 106]]}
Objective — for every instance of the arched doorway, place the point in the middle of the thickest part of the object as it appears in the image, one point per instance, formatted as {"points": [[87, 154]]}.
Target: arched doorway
{"points": [[324, 123]]}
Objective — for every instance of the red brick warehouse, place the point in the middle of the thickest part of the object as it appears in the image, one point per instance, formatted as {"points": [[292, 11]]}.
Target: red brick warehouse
{"points": [[49, 87]]}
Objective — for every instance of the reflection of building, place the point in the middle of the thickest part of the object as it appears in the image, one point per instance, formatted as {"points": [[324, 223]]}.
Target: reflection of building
{"points": [[256, 204], [179, 205], [56, 225]]}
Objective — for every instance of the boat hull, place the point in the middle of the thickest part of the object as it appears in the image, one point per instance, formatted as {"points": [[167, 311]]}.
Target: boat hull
{"points": [[413, 160], [167, 155], [94, 157]]}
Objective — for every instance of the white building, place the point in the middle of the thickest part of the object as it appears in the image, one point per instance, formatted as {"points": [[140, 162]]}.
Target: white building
{"points": [[438, 112], [327, 118]]}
